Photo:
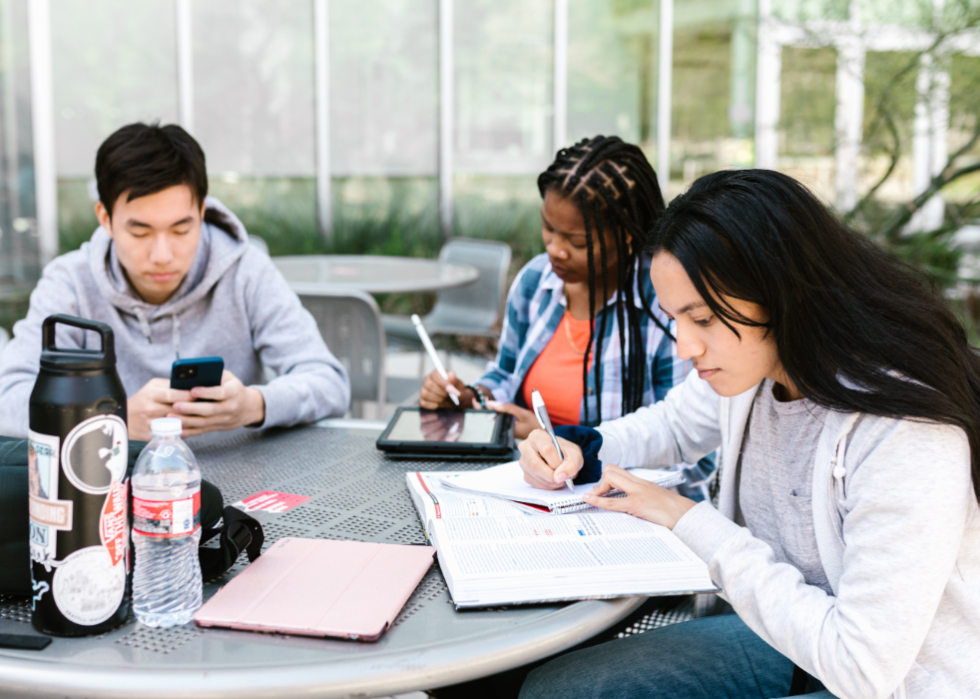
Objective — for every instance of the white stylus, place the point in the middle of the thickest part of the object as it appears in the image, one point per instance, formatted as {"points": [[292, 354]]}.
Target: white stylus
{"points": [[424, 336], [540, 412]]}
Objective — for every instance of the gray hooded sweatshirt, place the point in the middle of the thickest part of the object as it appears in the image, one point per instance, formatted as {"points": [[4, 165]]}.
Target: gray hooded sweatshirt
{"points": [[233, 303]]}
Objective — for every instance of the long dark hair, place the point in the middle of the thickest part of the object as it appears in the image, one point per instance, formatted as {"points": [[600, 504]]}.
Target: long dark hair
{"points": [[616, 189], [839, 306]]}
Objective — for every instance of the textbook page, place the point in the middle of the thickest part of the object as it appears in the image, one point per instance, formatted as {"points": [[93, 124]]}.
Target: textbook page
{"points": [[435, 501], [578, 556], [507, 481]]}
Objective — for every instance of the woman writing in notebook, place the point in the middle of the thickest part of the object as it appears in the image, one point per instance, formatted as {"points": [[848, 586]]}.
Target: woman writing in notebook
{"points": [[847, 401], [582, 325]]}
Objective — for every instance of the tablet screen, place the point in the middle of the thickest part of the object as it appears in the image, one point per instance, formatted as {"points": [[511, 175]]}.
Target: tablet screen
{"points": [[444, 426]]}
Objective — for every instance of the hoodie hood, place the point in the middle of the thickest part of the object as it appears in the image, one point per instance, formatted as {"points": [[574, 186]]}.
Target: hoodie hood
{"points": [[217, 252]]}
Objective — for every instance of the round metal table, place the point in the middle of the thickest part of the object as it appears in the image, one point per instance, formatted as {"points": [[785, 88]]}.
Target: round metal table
{"points": [[374, 274], [357, 494]]}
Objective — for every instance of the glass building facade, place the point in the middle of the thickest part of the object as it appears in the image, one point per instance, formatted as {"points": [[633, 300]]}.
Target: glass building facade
{"points": [[19, 250], [385, 125]]}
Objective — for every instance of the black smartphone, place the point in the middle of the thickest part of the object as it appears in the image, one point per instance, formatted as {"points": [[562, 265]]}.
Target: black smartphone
{"points": [[185, 374]]}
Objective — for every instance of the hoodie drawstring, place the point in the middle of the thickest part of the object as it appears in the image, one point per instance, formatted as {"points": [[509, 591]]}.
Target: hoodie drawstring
{"points": [[144, 323], [145, 328], [176, 335]]}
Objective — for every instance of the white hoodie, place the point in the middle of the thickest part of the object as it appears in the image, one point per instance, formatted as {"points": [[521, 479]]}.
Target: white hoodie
{"points": [[898, 531]]}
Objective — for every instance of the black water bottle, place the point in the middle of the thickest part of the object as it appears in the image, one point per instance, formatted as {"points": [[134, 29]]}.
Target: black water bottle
{"points": [[78, 454]]}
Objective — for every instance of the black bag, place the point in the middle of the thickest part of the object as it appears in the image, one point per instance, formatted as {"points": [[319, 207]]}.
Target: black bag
{"points": [[237, 531]]}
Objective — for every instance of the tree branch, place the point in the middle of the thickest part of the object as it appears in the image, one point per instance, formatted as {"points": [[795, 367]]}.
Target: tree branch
{"points": [[894, 155], [904, 214], [883, 112]]}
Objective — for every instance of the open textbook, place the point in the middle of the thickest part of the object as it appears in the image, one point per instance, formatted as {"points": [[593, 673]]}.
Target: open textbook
{"points": [[507, 481], [435, 501], [492, 553]]}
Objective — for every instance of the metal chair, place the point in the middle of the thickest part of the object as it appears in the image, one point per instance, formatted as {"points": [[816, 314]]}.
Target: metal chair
{"points": [[350, 324], [470, 310]]}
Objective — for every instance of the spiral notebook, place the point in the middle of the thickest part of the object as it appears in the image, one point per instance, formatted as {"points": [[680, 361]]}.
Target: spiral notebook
{"points": [[507, 482]]}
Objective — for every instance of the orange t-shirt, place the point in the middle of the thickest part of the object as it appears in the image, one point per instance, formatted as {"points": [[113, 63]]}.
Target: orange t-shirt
{"points": [[557, 372]]}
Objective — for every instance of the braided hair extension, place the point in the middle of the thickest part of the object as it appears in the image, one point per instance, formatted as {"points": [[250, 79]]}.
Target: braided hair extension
{"points": [[583, 205], [616, 190], [605, 295]]}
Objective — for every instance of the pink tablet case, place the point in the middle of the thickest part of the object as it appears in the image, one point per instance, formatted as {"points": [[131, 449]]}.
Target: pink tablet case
{"points": [[317, 587]]}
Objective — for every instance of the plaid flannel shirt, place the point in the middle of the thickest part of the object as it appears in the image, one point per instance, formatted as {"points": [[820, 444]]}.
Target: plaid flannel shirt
{"points": [[535, 306]]}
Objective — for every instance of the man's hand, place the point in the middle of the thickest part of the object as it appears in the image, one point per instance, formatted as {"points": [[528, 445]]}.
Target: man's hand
{"points": [[234, 405], [542, 467], [643, 499], [154, 400], [435, 391]]}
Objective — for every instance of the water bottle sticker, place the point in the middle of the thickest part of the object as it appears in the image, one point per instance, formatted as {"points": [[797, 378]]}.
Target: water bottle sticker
{"points": [[87, 587], [96, 453], [39, 587], [112, 523], [56, 514], [167, 517], [42, 465], [48, 515], [38, 534]]}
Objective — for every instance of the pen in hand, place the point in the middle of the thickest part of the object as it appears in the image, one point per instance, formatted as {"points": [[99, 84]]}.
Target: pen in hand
{"points": [[541, 413], [424, 336]]}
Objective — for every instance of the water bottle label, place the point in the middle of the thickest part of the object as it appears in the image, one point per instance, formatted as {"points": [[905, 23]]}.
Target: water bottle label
{"points": [[88, 588], [113, 529], [165, 518], [96, 454], [48, 514]]}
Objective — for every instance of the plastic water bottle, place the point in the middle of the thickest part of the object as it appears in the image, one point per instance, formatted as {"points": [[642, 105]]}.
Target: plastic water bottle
{"points": [[166, 528]]}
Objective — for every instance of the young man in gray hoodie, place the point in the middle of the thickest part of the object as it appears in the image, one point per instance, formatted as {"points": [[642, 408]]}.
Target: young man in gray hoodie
{"points": [[171, 271]]}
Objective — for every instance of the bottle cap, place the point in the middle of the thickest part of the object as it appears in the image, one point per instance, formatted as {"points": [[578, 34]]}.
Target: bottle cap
{"points": [[166, 427]]}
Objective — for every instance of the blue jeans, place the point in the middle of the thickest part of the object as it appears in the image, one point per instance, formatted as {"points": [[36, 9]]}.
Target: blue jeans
{"points": [[713, 658]]}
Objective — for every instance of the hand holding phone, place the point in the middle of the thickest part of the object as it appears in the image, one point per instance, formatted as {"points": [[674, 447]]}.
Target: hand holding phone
{"points": [[186, 374], [229, 403], [225, 406]]}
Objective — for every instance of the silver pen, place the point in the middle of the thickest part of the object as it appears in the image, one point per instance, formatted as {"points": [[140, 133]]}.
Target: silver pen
{"points": [[540, 412]]}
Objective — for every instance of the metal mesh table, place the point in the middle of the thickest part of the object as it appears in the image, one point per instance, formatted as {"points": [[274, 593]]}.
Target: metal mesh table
{"points": [[357, 494]]}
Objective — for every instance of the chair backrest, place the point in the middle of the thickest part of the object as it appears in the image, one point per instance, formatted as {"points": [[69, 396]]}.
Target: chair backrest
{"points": [[350, 324], [484, 299]]}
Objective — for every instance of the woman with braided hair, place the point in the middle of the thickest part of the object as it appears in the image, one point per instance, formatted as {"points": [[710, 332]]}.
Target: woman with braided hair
{"points": [[583, 325]]}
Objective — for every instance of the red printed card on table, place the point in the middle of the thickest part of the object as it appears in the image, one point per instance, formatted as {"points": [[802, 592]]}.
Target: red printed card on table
{"points": [[271, 501]]}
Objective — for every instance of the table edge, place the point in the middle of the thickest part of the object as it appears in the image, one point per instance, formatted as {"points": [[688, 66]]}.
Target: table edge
{"points": [[401, 671], [327, 288]]}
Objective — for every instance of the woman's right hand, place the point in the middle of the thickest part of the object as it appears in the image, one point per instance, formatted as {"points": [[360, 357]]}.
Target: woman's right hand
{"points": [[435, 391], [542, 467]]}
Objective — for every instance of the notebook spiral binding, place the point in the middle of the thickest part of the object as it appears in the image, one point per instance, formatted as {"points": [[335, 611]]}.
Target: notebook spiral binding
{"points": [[566, 506], [576, 504]]}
